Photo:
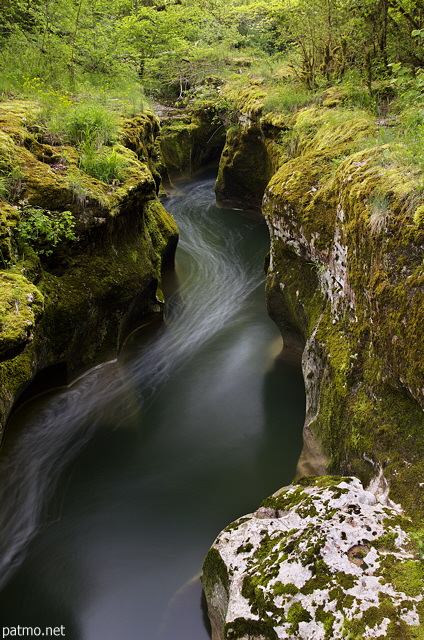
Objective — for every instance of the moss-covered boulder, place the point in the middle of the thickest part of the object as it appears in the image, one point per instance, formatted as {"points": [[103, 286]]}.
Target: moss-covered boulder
{"points": [[323, 559], [251, 153]]}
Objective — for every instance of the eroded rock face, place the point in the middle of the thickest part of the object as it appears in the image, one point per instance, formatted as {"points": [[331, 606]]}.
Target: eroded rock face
{"points": [[76, 302], [323, 559], [346, 275], [244, 170], [190, 140]]}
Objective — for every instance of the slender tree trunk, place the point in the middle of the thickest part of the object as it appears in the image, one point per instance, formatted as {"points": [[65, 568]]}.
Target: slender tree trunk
{"points": [[74, 38], [383, 36]]}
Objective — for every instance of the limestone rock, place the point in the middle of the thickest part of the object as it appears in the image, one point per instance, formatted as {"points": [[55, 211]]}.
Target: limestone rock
{"points": [[323, 559]]}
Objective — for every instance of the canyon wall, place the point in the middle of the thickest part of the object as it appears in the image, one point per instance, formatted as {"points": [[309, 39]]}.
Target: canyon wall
{"points": [[71, 305], [345, 284]]}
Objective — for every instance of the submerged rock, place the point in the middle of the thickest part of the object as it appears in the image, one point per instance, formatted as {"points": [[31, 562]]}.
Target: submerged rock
{"points": [[323, 558]]}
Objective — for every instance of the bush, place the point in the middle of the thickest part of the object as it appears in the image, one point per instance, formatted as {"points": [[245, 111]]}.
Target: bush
{"points": [[44, 229]]}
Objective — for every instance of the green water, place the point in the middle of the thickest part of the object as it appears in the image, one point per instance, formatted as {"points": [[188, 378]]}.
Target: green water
{"points": [[114, 489]]}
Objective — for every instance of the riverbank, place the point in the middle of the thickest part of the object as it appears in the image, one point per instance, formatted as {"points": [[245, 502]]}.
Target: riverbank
{"points": [[82, 256]]}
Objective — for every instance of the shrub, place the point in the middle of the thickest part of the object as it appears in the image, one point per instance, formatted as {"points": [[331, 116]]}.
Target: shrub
{"points": [[44, 229]]}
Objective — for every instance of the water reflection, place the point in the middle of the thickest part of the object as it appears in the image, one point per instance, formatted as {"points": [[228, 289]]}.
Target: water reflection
{"points": [[191, 428]]}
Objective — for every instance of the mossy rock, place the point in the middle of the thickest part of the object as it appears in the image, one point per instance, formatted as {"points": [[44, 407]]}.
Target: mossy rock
{"points": [[353, 223], [96, 287], [245, 169], [9, 217], [191, 141], [21, 305], [319, 566]]}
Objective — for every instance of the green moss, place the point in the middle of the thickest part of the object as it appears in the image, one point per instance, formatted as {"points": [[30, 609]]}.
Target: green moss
{"points": [[407, 577], [375, 350], [285, 304], [373, 616], [214, 569], [281, 589], [297, 614], [284, 500], [320, 481], [244, 628], [21, 305], [9, 217], [235, 525], [244, 169], [176, 148], [160, 227], [327, 619], [191, 141], [386, 541], [345, 580], [317, 582], [260, 600], [265, 553]]}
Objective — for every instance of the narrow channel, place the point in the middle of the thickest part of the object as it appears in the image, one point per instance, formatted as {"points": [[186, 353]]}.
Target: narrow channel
{"points": [[114, 489]]}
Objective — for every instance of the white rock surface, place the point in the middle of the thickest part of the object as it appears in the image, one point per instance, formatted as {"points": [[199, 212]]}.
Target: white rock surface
{"points": [[318, 560]]}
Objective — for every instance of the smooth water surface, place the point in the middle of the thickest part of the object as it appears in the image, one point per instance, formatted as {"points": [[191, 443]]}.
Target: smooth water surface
{"points": [[114, 489]]}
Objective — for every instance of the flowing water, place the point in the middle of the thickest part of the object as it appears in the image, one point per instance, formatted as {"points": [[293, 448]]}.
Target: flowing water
{"points": [[113, 489]]}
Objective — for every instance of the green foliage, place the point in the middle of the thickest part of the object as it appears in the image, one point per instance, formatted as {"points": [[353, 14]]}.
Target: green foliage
{"points": [[44, 229], [409, 85], [71, 121], [92, 123], [102, 163], [289, 98], [172, 46]]}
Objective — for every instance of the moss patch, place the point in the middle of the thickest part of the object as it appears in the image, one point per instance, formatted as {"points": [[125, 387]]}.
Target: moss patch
{"points": [[21, 305]]}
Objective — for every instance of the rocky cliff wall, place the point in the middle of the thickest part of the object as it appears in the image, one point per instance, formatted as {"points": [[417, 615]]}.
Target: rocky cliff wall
{"points": [[251, 154], [191, 139], [348, 226], [72, 306], [345, 281], [345, 277]]}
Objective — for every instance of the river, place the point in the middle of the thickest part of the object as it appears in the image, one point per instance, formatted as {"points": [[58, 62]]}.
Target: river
{"points": [[113, 489]]}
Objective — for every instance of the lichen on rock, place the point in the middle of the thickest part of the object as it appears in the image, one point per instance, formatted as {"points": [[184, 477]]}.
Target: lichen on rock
{"points": [[324, 559]]}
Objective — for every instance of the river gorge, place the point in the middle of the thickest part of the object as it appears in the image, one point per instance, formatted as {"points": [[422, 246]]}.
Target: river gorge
{"points": [[169, 421], [136, 467]]}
